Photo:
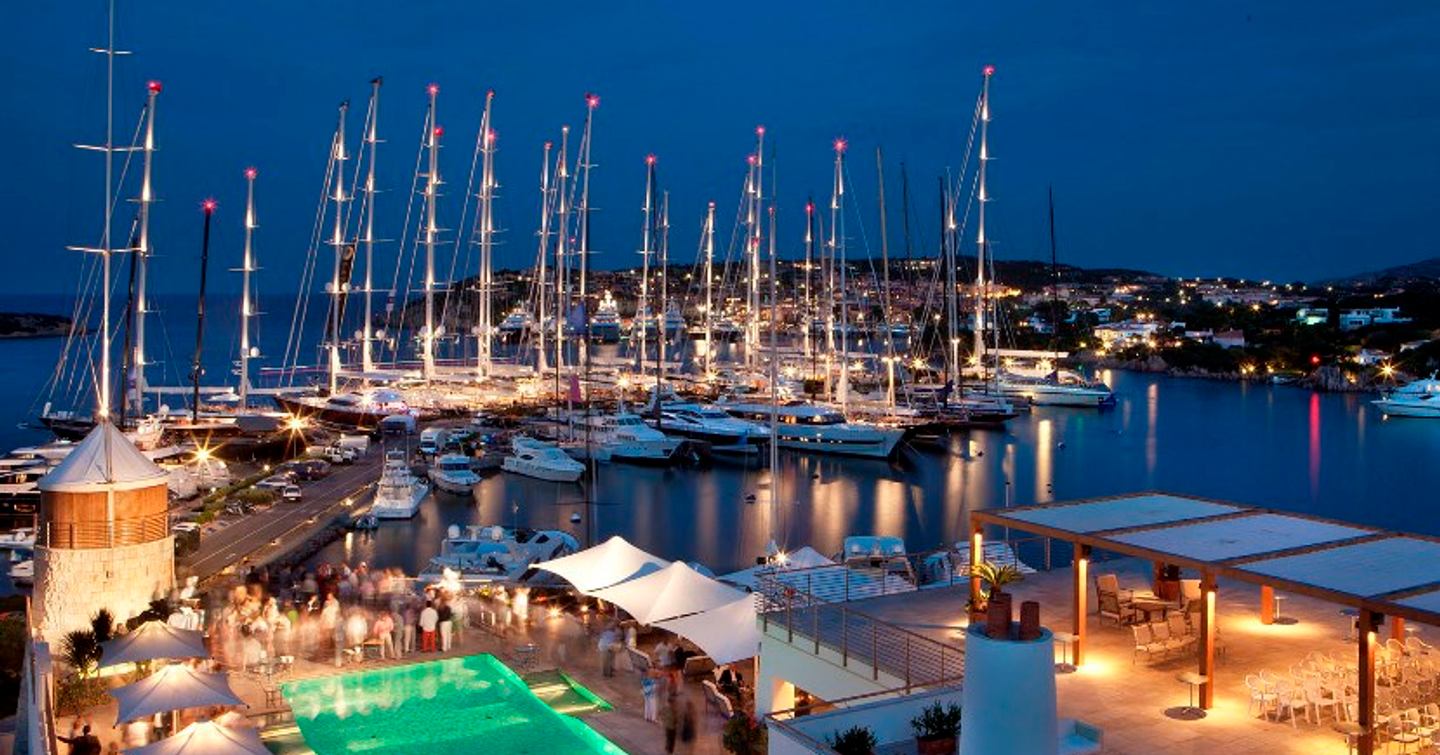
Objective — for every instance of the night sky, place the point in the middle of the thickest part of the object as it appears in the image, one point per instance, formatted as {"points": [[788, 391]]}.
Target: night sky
{"points": [[1215, 138]]}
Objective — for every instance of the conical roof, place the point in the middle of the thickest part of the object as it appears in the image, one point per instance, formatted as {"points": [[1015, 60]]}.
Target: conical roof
{"points": [[105, 460]]}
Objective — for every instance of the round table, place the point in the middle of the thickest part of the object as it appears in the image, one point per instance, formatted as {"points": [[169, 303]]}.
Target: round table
{"points": [[1351, 731], [1189, 712], [1066, 641]]}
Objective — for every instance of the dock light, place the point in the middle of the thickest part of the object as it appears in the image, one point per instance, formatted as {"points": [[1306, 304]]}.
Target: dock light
{"points": [[294, 423], [782, 558], [1388, 370], [553, 612], [202, 454]]}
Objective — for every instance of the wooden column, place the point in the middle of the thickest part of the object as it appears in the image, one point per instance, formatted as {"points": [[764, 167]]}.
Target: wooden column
{"points": [[1081, 571], [1267, 604], [1207, 639], [977, 550], [1369, 624], [1397, 628]]}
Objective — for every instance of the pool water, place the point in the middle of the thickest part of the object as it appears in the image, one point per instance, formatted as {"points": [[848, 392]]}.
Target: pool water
{"points": [[469, 704]]}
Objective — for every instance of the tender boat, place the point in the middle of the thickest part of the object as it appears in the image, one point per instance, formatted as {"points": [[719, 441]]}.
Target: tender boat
{"points": [[819, 429], [399, 493], [500, 553], [1420, 398], [541, 460], [452, 474]]}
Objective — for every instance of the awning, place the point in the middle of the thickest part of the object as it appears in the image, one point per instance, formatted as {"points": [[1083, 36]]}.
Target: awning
{"points": [[172, 688], [677, 590], [154, 640], [206, 738], [726, 634], [804, 558], [609, 563]]}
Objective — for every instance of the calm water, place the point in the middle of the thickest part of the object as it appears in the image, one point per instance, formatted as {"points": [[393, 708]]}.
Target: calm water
{"points": [[1278, 447]]}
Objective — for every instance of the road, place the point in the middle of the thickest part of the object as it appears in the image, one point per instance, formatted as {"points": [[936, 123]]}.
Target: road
{"points": [[286, 524]]}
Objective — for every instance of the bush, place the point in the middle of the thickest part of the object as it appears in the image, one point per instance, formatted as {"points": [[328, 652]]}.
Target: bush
{"points": [[937, 721], [744, 735], [75, 694], [186, 543], [856, 740], [256, 496]]}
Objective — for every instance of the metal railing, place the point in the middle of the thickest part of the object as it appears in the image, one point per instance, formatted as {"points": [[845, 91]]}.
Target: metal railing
{"points": [[133, 531], [808, 607]]}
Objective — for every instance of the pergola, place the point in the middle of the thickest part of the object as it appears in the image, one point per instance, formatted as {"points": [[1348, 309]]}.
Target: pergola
{"points": [[1378, 573]]}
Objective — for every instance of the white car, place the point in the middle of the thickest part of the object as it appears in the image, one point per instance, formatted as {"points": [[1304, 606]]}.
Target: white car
{"points": [[292, 493]]}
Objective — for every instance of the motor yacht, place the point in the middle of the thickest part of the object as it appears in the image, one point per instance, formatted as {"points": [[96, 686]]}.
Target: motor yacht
{"points": [[541, 460], [363, 409], [400, 492], [818, 429], [517, 323], [1420, 398], [708, 423], [452, 473], [498, 553], [1059, 388], [623, 436], [605, 324]]}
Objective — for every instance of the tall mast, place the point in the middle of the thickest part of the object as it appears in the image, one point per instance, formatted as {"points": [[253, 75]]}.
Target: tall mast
{"points": [[660, 311], [709, 287], [541, 273], [337, 241], [753, 221], [947, 259], [562, 248], [642, 307], [982, 246], [808, 283], [208, 206], [367, 358], [592, 101], [487, 235], [837, 246], [142, 249], [885, 282], [774, 379], [247, 266], [432, 185]]}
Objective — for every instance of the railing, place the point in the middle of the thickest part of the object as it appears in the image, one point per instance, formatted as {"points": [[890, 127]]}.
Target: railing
{"points": [[787, 720], [133, 531], [811, 605]]}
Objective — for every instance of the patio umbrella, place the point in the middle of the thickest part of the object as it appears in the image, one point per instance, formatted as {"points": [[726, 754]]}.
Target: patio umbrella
{"points": [[606, 564], [676, 590], [206, 738], [726, 634], [172, 688], [153, 640]]}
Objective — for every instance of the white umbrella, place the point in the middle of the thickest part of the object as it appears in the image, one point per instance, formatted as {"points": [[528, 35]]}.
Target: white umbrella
{"points": [[174, 687], [676, 590], [206, 738], [606, 564], [726, 634], [154, 640]]}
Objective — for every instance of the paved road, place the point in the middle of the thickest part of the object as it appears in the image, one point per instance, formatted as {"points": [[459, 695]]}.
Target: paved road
{"points": [[287, 523]]}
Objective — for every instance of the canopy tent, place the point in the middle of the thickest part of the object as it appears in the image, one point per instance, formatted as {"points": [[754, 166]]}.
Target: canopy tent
{"points": [[726, 634], [206, 738], [677, 590], [609, 563], [804, 558], [172, 688], [154, 640]]}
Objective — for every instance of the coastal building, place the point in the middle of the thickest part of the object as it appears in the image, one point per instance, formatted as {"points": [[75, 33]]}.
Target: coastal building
{"points": [[1126, 332], [1351, 319], [103, 538], [1230, 339], [1312, 315]]}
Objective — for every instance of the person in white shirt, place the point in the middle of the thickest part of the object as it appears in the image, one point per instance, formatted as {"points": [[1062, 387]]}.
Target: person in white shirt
{"points": [[429, 619]]}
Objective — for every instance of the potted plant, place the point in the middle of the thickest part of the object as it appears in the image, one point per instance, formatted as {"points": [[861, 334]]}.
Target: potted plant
{"points": [[743, 735], [856, 740], [1168, 586], [993, 579], [936, 729]]}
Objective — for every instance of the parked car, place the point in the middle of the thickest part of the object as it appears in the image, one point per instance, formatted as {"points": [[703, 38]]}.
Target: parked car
{"points": [[292, 493], [338, 454], [275, 482]]}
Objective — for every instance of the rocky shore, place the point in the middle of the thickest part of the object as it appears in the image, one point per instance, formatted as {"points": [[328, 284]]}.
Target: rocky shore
{"points": [[1328, 378], [32, 325]]}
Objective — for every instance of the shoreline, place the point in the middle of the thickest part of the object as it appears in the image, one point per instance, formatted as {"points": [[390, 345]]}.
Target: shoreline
{"points": [[1325, 379]]}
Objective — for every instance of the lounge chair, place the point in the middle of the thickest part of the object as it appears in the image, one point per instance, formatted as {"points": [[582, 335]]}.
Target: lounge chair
{"points": [[717, 699], [697, 665], [1112, 603]]}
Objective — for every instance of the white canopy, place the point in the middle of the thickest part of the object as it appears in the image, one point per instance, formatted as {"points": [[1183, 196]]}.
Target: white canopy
{"points": [[175, 687], [105, 460], [726, 634], [677, 590], [804, 558], [609, 563], [154, 640], [206, 738]]}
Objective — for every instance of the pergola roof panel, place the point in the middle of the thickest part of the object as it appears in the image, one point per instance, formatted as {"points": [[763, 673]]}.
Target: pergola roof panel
{"points": [[1127, 511], [1363, 569], [1425, 601], [1238, 537]]}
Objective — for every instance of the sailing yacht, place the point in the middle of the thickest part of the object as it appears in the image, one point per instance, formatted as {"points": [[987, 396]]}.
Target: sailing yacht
{"points": [[817, 429], [1420, 398], [399, 493]]}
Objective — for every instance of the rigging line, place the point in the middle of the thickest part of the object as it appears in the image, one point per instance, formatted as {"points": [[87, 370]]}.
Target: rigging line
{"points": [[403, 250], [288, 365], [415, 242], [462, 239]]}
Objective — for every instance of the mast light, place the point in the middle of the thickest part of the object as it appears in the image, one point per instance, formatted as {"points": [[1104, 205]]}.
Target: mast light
{"points": [[251, 173], [209, 206], [433, 89], [154, 86], [989, 70]]}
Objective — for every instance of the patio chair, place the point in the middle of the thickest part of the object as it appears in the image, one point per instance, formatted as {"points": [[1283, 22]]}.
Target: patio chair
{"points": [[1112, 601], [1180, 629], [1161, 632], [1289, 698], [1189, 593], [1317, 698], [1262, 699], [1401, 731], [1345, 698], [1145, 643]]}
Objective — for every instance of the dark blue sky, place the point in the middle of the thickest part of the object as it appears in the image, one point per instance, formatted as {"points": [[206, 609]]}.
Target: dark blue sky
{"points": [[1244, 139]]}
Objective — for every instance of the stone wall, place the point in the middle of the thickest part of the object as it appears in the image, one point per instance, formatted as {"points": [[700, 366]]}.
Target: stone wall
{"points": [[71, 585]]}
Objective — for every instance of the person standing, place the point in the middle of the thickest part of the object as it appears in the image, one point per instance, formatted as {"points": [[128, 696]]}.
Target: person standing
{"points": [[650, 690], [429, 619], [385, 632], [409, 618], [83, 744], [606, 646], [670, 719], [447, 624]]}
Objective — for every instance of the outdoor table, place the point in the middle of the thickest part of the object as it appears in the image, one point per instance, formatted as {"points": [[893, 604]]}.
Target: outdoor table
{"points": [[1066, 641], [1351, 731], [1283, 620], [1150, 605], [1189, 712]]}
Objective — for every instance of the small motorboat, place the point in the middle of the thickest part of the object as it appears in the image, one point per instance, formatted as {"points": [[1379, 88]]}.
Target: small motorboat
{"points": [[452, 473], [541, 460], [501, 553]]}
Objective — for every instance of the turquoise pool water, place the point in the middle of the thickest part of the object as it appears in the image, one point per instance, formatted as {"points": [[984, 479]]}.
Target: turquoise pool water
{"points": [[456, 705]]}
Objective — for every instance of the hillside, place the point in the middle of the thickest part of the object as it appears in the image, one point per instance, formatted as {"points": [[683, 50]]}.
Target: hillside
{"points": [[32, 325], [1428, 269]]}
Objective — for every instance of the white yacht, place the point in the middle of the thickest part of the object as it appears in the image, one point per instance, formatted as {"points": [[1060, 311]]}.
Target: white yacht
{"points": [[399, 493], [500, 553], [516, 323], [624, 437], [819, 429], [1420, 398], [541, 460], [709, 423], [1059, 388], [605, 325], [452, 474]]}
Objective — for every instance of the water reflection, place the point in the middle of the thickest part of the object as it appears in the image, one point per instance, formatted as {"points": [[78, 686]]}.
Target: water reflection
{"points": [[1260, 444]]}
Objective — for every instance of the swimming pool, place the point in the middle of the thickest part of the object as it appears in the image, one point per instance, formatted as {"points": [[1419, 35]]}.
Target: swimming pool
{"points": [[453, 705]]}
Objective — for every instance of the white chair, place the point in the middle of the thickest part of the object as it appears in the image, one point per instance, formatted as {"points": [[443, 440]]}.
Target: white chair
{"points": [[1262, 700], [1289, 699], [1145, 643], [1317, 698]]}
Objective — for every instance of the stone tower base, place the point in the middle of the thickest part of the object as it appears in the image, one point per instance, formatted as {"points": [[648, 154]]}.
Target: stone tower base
{"points": [[72, 584]]}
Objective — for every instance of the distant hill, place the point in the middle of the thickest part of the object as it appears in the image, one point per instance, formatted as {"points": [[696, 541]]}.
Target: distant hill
{"points": [[32, 325], [1423, 270]]}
